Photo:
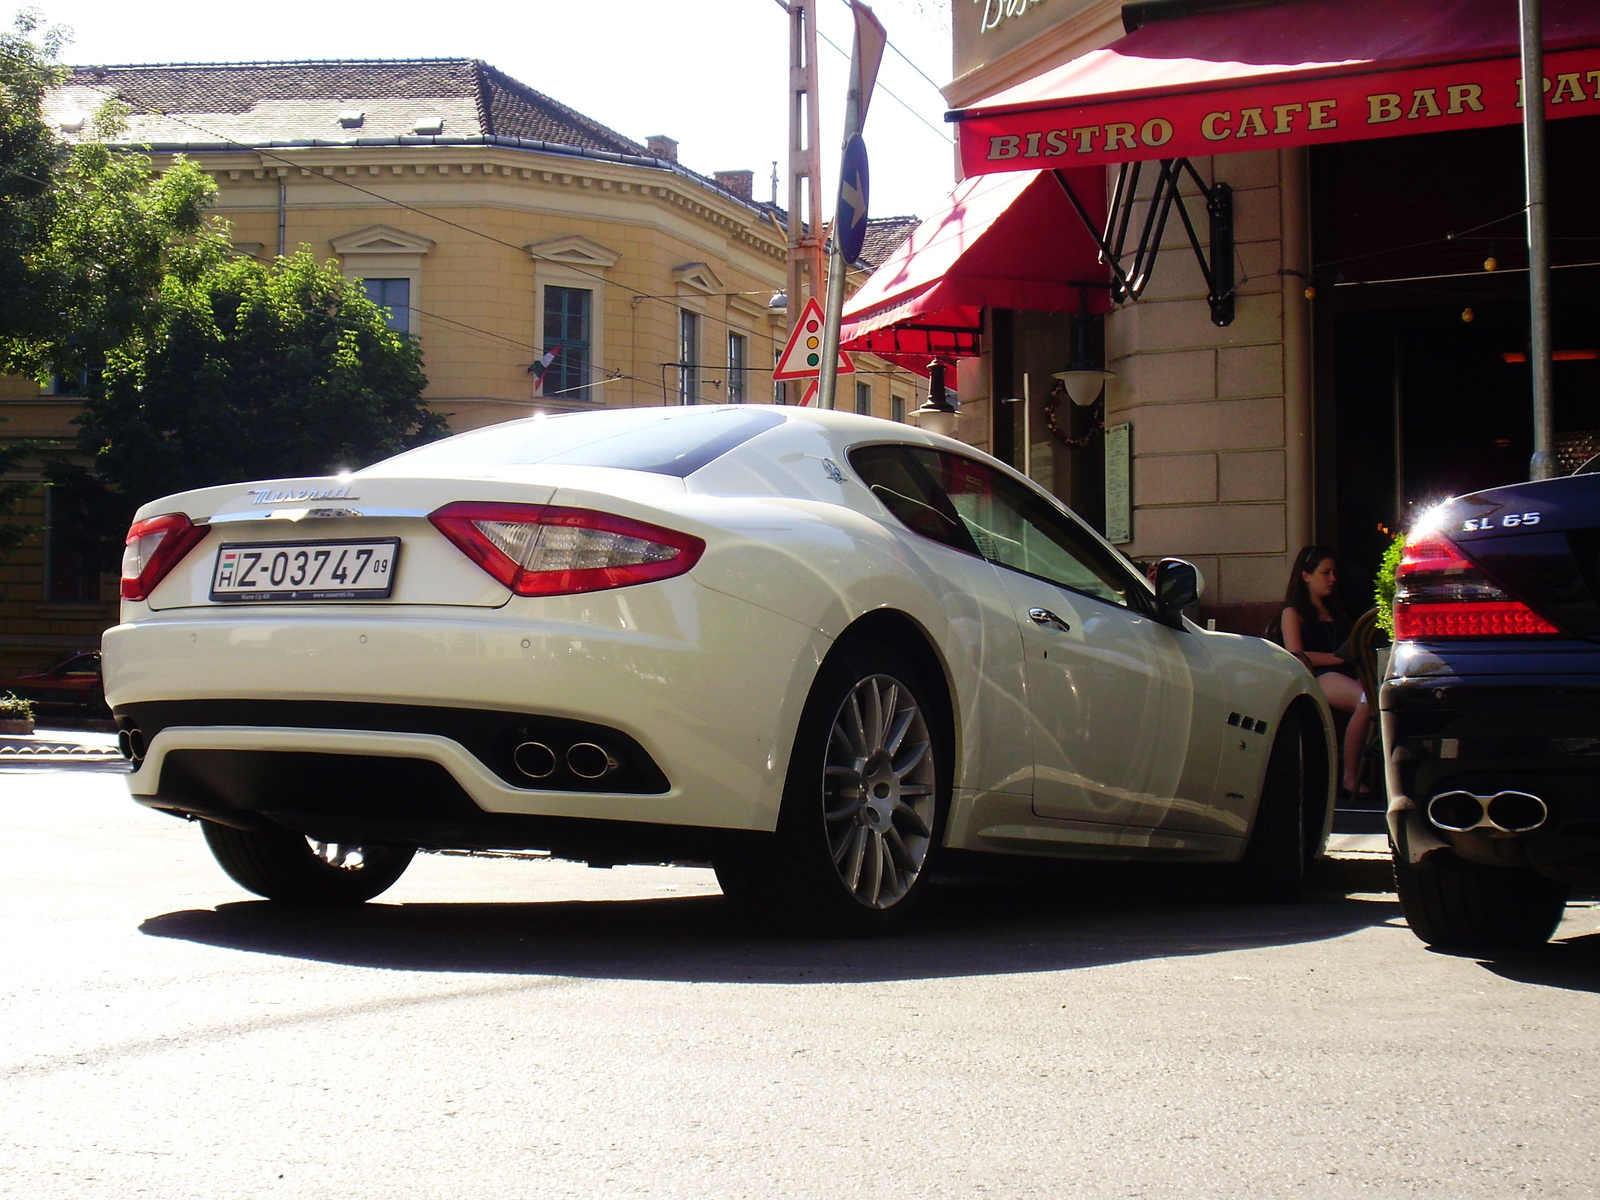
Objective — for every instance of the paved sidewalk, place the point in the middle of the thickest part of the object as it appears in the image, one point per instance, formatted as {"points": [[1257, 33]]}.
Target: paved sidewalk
{"points": [[56, 746]]}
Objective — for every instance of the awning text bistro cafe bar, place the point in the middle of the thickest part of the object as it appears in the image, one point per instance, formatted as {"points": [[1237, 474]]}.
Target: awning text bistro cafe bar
{"points": [[1293, 236]]}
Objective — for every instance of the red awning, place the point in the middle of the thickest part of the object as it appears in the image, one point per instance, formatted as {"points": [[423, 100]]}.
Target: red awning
{"points": [[1003, 241], [1285, 75]]}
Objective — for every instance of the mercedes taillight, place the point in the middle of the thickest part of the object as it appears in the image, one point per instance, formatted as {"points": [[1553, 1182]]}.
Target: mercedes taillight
{"points": [[1440, 593], [547, 550], [155, 545]]}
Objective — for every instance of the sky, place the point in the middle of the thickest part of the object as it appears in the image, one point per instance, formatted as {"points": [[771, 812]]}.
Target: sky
{"points": [[710, 73]]}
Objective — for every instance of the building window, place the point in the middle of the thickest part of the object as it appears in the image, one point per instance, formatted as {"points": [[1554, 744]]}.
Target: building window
{"points": [[897, 408], [779, 396], [736, 367], [688, 357], [394, 296], [72, 561], [864, 399], [568, 330]]}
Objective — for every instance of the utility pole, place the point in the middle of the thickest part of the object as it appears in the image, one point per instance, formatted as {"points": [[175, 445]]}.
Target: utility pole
{"points": [[1544, 464], [805, 167]]}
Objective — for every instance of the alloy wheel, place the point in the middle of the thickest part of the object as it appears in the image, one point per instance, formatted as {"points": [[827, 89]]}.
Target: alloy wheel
{"points": [[879, 791]]}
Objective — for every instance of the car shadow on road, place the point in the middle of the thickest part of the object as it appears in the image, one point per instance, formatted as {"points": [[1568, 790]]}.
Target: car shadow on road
{"points": [[974, 928], [1571, 963]]}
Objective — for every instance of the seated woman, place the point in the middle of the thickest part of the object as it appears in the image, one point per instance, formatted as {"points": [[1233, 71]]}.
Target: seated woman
{"points": [[1314, 628]]}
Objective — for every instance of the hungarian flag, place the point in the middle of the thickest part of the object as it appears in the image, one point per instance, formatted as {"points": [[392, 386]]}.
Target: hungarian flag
{"points": [[543, 365]]}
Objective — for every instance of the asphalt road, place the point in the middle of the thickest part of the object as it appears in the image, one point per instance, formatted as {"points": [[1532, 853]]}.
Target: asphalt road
{"points": [[508, 1028]]}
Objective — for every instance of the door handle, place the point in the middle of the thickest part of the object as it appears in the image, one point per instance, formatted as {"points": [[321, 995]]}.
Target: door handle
{"points": [[1043, 616]]}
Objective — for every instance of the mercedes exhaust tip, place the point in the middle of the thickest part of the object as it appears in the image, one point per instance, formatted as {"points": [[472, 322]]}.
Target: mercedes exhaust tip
{"points": [[587, 760], [1516, 812], [1503, 812]]}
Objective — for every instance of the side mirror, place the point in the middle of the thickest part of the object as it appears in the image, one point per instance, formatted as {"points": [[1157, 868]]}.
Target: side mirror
{"points": [[1178, 585]]}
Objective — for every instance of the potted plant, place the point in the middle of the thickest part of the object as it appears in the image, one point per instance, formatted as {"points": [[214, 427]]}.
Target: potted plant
{"points": [[16, 714]]}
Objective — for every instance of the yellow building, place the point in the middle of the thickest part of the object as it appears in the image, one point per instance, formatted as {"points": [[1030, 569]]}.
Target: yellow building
{"points": [[497, 226]]}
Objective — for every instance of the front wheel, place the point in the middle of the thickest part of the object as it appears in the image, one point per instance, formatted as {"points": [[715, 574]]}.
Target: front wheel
{"points": [[1459, 905], [863, 806], [281, 865], [1273, 869]]}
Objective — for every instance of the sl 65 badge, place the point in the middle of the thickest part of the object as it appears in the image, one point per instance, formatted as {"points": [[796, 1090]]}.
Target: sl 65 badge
{"points": [[1508, 521]]}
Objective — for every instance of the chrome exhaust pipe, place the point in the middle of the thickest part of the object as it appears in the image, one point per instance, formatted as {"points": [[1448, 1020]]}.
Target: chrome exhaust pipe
{"points": [[1516, 812], [589, 761], [535, 760], [131, 743], [1503, 812]]}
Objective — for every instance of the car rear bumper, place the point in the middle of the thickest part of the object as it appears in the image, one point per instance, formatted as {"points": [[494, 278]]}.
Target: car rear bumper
{"points": [[1490, 718], [694, 694]]}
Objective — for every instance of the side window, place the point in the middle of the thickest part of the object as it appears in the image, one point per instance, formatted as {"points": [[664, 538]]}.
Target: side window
{"points": [[906, 491], [1017, 529]]}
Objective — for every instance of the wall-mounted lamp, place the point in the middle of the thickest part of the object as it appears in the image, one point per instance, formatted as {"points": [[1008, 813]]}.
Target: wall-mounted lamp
{"points": [[1085, 376], [936, 414], [1084, 380]]}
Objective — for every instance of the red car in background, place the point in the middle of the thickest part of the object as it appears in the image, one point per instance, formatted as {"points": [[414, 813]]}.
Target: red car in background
{"points": [[72, 682]]}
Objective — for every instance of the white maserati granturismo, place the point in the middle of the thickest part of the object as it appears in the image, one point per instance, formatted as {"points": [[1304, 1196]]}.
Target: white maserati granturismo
{"points": [[819, 650]]}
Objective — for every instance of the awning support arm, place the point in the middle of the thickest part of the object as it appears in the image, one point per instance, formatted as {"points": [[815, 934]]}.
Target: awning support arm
{"points": [[1216, 267]]}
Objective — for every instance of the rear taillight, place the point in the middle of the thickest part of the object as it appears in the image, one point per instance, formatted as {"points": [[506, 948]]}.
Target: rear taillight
{"points": [[156, 545], [1439, 593], [543, 550]]}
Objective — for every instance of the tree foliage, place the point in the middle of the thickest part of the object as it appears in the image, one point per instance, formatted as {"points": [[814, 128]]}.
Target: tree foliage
{"points": [[28, 154], [199, 367], [253, 372]]}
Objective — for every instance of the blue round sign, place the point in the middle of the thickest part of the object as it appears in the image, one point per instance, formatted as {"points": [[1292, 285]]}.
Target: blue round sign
{"points": [[850, 217]]}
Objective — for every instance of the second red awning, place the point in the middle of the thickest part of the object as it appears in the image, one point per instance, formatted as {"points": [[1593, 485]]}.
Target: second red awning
{"points": [[1002, 241]]}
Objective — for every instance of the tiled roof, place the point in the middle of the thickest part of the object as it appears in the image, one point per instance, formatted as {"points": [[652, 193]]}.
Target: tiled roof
{"points": [[257, 103], [884, 235]]}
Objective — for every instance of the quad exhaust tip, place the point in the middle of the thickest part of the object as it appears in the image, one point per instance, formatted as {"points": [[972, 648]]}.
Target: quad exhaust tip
{"points": [[1503, 812], [586, 760]]}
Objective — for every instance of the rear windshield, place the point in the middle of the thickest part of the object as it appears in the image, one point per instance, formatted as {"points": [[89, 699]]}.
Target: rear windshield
{"points": [[671, 441]]}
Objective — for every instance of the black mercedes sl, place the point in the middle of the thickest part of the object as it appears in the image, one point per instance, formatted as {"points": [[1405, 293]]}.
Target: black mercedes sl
{"points": [[1491, 713]]}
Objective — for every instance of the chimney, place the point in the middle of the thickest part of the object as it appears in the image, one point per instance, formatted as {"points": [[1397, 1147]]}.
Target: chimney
{"points": [[662, 146], [741, 183]]}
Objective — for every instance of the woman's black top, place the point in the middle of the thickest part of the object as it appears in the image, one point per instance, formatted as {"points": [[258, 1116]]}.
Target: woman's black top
{"points": [[1326, 637]]}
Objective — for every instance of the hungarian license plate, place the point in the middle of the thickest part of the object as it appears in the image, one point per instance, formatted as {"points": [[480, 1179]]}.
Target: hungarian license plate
{"points": [[331, 570]]}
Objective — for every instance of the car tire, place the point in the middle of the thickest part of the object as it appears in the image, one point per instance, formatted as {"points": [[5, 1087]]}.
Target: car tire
{"points": [[1454, 904], [1273, 869], [864, 804], [285, 866]]}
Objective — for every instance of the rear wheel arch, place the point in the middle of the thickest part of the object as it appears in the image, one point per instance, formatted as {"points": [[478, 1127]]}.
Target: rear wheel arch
{"points": [[901, 633]]}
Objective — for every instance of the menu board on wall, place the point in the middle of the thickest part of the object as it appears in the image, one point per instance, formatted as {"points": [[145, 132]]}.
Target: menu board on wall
{"points": [[1119, 484]]}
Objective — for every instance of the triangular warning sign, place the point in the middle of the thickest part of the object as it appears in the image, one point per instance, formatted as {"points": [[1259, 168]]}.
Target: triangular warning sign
{"points": [[802, 357]]}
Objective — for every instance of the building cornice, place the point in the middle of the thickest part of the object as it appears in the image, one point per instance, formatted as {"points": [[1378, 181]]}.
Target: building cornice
{"points": [[435, 159]]}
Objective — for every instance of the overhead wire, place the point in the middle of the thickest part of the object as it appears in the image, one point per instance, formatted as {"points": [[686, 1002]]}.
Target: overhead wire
{"points": [[906, 59], [939, 133]]}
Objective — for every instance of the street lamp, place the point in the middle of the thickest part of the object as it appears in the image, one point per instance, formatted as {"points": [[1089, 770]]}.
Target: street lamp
{"points": [[1085, 376], [936, 414]]}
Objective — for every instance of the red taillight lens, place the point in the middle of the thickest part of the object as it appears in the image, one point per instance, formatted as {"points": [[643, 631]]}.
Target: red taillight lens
{"points": [[154, 546], [1440, 594], [544, 550]]}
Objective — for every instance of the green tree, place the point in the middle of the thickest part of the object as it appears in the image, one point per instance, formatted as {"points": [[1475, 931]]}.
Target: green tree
{"points": [[200, 367], [28, 154], [28, 157], [253, 372]]}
